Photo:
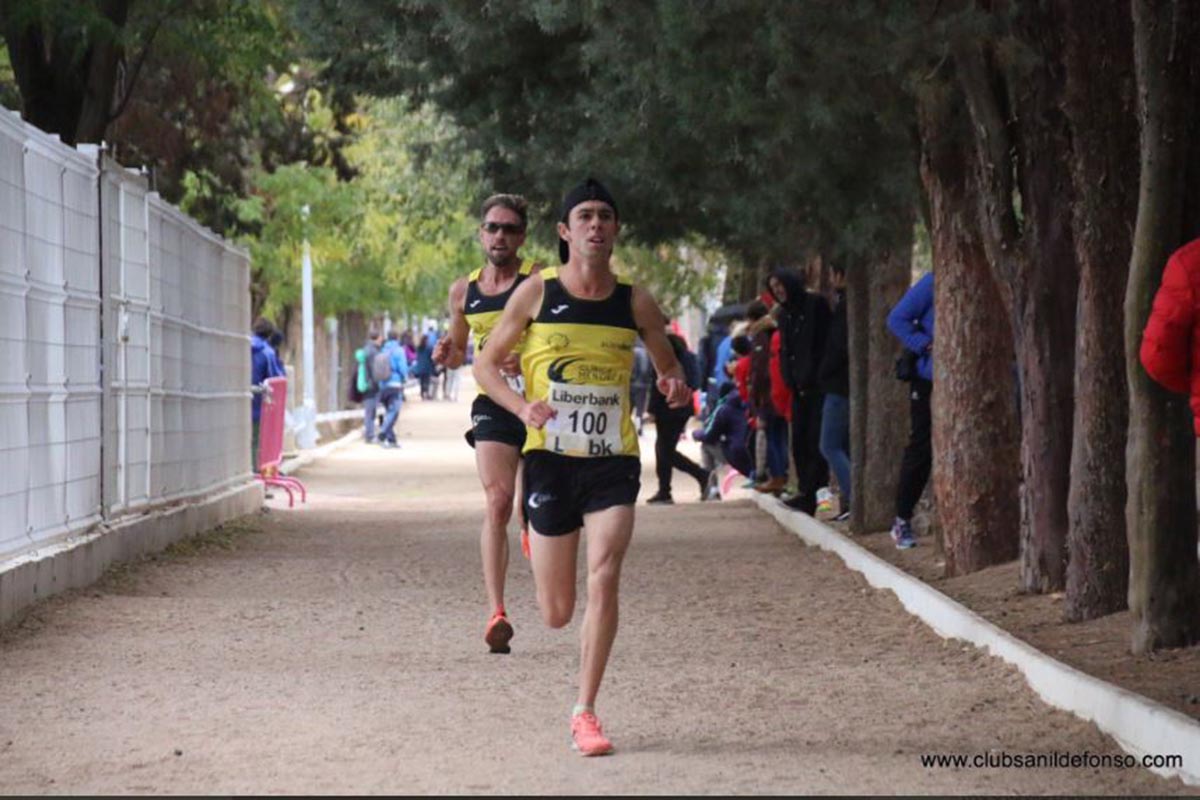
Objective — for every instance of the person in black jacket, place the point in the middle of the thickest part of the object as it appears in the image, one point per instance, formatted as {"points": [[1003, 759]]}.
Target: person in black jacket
{"points": [[804, 325], [668, 425], [833, 379]]}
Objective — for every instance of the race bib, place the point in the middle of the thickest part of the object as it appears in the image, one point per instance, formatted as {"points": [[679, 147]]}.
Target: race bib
{"points": [[588, 420]]}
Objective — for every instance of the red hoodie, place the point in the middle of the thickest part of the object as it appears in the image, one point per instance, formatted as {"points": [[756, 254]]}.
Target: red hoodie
{"points": [[781, 395], [1170, 349]]}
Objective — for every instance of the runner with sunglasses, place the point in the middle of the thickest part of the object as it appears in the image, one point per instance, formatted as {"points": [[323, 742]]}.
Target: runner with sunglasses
{"points": [[496, 433], [579, 323]]}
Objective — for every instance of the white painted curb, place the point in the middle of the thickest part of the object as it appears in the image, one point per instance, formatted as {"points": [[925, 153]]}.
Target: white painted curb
{"points": [[1140, 725]]}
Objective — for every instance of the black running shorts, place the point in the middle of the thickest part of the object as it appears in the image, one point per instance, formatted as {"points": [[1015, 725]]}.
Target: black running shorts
{"points": [[560, 489], [491, 422]]}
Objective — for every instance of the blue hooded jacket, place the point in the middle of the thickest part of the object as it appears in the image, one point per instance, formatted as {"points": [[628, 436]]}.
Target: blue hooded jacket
{"points": [[911, 321], [263, 364], [399, 363]]}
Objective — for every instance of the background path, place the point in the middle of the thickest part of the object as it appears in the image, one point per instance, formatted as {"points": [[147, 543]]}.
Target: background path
{"points": [[338, 648]]}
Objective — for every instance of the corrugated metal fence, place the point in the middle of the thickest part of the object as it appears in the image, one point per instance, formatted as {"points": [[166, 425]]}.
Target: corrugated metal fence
{"points": [[124, 354]]}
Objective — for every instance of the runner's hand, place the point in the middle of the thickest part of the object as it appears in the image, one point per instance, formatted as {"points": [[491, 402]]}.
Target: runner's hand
{"points": [[510, 367], [676, 391], [537, 413], [441, 351]]}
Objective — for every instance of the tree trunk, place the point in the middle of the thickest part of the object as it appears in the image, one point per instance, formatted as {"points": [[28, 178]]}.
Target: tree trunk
{"points": [[1022, 149], [63, 90], [1160, 512], [858, 300], [1100, 103], [877, 399], [976, 451]]}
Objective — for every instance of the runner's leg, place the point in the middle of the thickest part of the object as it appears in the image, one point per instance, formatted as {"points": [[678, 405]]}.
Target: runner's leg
{"points": [[497, 465], [608, 535], [553, 559]]}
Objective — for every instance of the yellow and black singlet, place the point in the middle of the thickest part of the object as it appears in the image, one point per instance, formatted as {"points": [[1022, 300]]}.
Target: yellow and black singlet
{"points": [[578, 357], [483, 310]]}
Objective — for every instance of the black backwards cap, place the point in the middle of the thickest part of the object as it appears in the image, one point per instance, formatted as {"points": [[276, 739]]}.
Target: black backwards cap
{"points": [[590, 189]]}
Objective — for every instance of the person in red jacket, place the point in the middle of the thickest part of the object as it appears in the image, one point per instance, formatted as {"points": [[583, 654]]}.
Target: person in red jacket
{"points": [[1170, 349]]}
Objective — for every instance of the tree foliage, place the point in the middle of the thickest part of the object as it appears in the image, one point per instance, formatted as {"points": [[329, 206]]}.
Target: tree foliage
{"points": [[719, 118]]}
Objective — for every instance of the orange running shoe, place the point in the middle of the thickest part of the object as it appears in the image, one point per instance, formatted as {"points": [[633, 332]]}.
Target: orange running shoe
{"points": [[499, 632], [525, 542], [586, 736]]}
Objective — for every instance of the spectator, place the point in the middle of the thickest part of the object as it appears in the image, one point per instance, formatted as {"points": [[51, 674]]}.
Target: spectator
{"points": [[391, 387], [911, 321], [410, 350], [1170, 351], [728, 428], [423, 369], [371, 393], [739, 365], [833, 378], [264, 364], [803, 326], [429, 391], [450, 382], [276, 342], [639, 385], [669, 424], [771, 467], [707, 354], [720, 373]]}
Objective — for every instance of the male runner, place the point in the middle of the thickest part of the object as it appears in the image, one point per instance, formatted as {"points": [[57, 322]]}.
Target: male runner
{"points": [[496, 434], [581, 450]]}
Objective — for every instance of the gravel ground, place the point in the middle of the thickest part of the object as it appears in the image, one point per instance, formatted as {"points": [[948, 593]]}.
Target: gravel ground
{"points": [[337, 648]]}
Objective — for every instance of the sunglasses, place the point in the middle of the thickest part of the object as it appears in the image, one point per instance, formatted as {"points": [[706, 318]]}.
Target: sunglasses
{"points": [[507, 227]]}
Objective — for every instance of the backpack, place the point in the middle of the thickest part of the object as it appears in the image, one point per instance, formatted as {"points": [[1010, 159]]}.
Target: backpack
{"points": [[362, 379], [381, 367]]}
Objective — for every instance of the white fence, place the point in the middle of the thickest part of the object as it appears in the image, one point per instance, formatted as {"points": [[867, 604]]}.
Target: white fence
{"points": [[124, 357]]}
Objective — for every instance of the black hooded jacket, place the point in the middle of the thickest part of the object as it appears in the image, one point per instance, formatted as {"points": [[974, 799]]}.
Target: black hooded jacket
{"points": [[803, 328], [834, 374]]}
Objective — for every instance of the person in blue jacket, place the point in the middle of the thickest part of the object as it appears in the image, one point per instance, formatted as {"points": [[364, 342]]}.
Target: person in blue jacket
{"points": [[391, 391], [264, 363], [911, 321]]}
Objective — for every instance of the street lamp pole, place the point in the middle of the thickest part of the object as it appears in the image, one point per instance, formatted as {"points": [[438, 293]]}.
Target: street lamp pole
{"points": [[306, 433]]}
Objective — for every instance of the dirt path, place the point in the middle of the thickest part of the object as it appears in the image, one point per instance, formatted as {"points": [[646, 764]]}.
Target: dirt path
{"points": [[337, 649]]}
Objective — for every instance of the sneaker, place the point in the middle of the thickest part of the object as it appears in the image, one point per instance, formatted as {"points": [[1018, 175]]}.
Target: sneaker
{"points": [[587, 738], [525, 542], [902, 534], [660, 499], [499, 632], [843, 517]]}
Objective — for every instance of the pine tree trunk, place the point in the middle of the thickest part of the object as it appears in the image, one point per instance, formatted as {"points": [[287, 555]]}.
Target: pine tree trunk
{"points": [[858, 300], [1022, 148], [877, 399], [976, 451], [1160, 512], [1100, 103], [1052, 288]]}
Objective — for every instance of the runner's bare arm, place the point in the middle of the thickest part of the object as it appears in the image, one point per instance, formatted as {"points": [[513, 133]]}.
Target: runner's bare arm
{"points": [[511, 365], [522, 307], [651, 321], [451, 349]]}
